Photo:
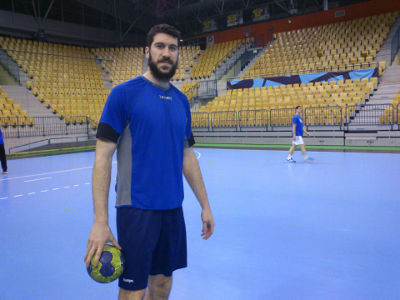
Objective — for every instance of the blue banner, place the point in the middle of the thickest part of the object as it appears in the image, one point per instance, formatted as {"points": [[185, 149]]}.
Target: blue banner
{"points": [[302, 78]]}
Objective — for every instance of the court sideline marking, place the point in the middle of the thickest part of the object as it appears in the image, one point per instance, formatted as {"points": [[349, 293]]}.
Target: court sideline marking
{"points": [[49, 173], [45, 191]]}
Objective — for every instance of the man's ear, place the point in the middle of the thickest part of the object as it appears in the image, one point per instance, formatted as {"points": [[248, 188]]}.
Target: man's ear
{"points": [[146, 52]]}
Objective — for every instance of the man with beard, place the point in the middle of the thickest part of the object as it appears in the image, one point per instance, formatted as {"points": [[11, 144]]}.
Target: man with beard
{"points": [[148, 120]]}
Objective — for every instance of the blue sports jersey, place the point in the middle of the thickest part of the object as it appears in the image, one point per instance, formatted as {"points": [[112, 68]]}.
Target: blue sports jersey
{"points": [[150, 126], [297, 120], [1, 138]]}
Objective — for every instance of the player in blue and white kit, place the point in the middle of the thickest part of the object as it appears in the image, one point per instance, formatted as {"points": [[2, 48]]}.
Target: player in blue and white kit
{"points": [[148, 121], [297, 132]]}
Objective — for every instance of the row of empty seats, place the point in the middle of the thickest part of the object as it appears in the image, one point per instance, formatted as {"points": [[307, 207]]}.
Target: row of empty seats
{"points": [[65, 77], [187, 56], [334, 47], [11, 114], [213, 57], [319, 94], [122, 64], [388, 115], [190, 89]]}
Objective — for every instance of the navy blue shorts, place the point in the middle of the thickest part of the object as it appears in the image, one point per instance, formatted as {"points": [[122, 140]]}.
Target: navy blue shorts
{"points": [[153, 242]]}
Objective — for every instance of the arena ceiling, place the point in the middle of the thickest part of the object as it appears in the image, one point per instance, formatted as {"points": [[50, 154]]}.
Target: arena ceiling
{"points": [[137, 16]]}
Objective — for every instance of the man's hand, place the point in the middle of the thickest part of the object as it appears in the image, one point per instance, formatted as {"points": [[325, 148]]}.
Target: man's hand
{"points": [[208, 223], [100, 234]]}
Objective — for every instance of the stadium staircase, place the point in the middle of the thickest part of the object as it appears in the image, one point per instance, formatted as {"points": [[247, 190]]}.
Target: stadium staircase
{"points": [[251, 62], [385, 52], [5, 78], [27, 101], [388, 86]]}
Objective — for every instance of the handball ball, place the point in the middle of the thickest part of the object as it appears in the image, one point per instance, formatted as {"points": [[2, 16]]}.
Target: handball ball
{"points": [[110, 266]]}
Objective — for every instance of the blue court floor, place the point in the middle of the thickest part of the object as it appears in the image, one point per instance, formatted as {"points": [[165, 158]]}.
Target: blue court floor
{"points": [[323, 230]]}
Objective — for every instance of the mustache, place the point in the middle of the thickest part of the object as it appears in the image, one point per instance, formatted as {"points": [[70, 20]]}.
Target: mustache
{"points": [[165, 60]]}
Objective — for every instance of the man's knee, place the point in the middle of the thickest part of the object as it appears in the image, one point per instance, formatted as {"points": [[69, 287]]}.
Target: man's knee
{"points": [[160, 285], [130, 295]]}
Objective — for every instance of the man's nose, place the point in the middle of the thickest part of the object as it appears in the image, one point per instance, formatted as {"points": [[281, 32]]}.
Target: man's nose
{"points": [[166, 53]]}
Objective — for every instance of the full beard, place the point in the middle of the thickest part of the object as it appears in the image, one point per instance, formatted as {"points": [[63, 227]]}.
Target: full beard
{"points": [[158, 74]]}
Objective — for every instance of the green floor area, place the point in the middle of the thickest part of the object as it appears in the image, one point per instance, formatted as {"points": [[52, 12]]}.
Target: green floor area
{"points": [[229, 146], [310, 147]]}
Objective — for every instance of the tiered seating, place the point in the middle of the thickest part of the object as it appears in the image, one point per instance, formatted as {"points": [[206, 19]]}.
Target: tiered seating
{"points": [[335, 47], [65, 77], [213, 57], [388, 117], [319, 94], [122, 64], [187, 55], [190, 89], [11, 114]]}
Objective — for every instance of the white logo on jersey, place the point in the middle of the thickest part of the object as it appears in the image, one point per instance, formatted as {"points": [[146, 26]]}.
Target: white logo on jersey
{"points": [[165, 97]]}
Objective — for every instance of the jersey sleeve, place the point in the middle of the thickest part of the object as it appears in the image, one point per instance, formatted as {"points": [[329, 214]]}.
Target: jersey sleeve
{"points": [[114, 117], [294, 120]]}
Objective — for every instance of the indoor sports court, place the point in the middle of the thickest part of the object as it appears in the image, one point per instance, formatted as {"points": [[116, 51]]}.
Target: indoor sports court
{"points": [[291, 108], [321, 230]]}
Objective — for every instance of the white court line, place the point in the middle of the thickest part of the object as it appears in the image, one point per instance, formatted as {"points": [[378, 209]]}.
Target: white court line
{"points": [[197, 152], [66, 187], [76, 185], [31, 193], [87, 182], [3, 198], [44, 191], [48, 173], [17, 196], [55, 189], [43, 178]]}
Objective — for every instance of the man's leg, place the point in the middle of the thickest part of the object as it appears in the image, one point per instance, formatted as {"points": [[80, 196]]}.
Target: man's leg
{"points": [[130, 295], [159, 287], [3, 158], [305, 155], [303, 150], [291, 150]]}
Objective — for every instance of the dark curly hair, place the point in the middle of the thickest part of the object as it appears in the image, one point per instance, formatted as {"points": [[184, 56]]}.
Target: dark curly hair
{"points": [[162, 28]]}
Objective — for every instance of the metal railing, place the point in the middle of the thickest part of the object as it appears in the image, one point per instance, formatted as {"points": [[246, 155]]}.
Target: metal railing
{"points": [[208, 89], [324, 116], [281, 117], [253, 118], [201, 120], [16, 127], [370, 114], [361, 115], [224, 119], [397, 114]]}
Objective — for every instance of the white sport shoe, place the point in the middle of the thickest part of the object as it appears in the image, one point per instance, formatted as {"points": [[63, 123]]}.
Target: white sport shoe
{"points": [[291, 160]]}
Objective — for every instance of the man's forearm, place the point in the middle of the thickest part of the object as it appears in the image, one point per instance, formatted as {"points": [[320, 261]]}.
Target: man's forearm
{"points": [[100, 188], [101, 179], [191, 170]]}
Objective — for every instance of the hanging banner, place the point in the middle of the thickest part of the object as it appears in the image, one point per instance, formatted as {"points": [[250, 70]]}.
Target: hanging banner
{"points": [[209, 25], [234, 19], [302, 78], [260, 14]]}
